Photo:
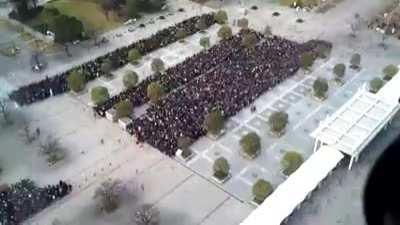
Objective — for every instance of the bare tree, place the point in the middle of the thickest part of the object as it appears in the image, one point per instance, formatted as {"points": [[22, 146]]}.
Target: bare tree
{"points": [[26, 134], [108, 196], [52, 149], [147, 215]]}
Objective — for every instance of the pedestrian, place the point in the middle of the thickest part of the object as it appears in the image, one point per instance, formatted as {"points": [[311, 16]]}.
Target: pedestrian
{"points": [[37, 132]]}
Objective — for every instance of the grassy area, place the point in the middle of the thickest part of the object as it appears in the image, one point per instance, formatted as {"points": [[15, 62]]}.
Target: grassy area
{"points": [[87, 11]]}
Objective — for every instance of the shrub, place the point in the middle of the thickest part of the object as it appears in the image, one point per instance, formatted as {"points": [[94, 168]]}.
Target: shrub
{"points": [[130, 79], [205, 42], [214, 122], [134, 56], [221, 168], [320, 88], [154, 92], [76, 81], [278, 121], [390, 71], [249, 40], [243, 23], [225, 32], [339, 70], [355, 60], [306, 60], [375, 85], [261, 190], [290, 162], [99, 95], [250, 144], [221, 17], [157, 65], [124, 109]]}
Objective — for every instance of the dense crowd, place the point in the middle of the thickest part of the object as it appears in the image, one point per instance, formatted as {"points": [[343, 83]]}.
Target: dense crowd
{"points": [[22, 200], [229, 87], [58, 84], [177, 75]]}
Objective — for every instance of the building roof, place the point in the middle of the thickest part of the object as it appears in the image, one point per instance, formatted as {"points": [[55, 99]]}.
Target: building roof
{"points": [[356, 123], [287, 196]]}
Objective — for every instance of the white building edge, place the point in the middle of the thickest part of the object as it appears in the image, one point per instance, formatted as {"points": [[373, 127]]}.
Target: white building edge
{"points": [[346, 132]]}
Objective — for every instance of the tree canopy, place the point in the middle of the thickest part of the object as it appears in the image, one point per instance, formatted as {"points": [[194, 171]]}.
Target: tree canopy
{"points": [[278, 121], [261, 190], [99, 95], [154, 92], [320, 88], [66, 29], [221, 168], [76, 81], [221, 17], [214, 122], [375, 84], [134, 56], [123, 109], [225, 32], [250, 144], [339, 70], [205, 42], [290, 162], [306, 60], [157, 65], [130, 79], [390, 71], [249, 40]]}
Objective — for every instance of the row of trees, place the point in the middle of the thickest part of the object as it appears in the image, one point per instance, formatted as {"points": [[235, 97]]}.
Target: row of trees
{"points": [[261, 189], [250, 143]]}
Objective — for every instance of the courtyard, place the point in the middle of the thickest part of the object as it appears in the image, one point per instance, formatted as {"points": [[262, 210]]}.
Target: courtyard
{"points": [[167, 181]]}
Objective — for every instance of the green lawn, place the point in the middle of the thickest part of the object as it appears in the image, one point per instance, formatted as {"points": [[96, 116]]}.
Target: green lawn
{"points": [[87, 11]]}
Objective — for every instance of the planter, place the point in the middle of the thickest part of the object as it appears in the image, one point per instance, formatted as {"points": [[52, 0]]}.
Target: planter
{"points": [[111, 115], [249, 157], [254, 202], [215, 137], [221, 181], [180, 156], [124, 122]]}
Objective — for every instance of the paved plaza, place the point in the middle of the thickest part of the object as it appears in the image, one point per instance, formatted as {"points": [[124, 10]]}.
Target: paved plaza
{"points": [[184, 191]]}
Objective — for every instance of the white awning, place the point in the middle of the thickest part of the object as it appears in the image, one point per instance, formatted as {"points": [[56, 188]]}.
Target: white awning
{"points": [[287, 196], [356, 123]]}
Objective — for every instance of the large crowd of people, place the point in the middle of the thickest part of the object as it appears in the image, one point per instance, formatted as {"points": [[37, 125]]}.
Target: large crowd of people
{"points": [[177, 75], [50, 86], [22, 200], [229, 86]]}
